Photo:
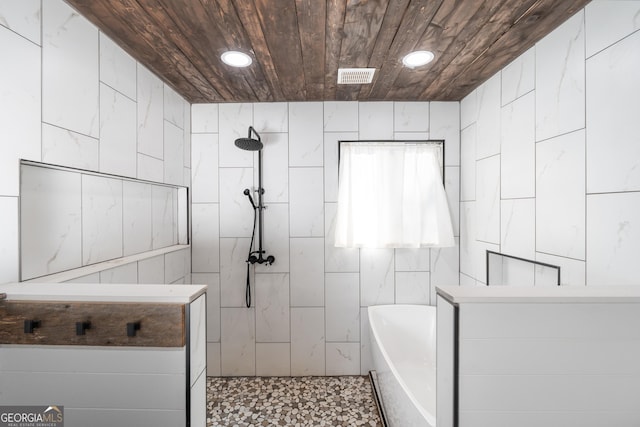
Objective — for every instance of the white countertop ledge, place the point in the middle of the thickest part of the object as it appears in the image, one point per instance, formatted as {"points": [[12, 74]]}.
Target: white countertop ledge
{"points": [[542, 294], [91, 292]]}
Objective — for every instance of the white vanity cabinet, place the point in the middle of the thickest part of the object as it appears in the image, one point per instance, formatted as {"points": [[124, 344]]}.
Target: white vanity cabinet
{"points": [[548, 356], [111, 355]]}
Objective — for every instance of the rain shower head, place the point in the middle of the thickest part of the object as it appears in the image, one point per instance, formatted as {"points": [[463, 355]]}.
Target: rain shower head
{"points": [[248, 143]]}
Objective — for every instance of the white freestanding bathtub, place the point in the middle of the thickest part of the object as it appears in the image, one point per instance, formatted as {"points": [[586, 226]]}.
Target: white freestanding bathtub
{"points": [[403, 342]]}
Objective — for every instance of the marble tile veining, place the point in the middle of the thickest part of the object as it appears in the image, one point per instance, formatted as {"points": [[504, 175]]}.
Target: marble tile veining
{"points": [[518, 77], [488, 124], [306, 204], [613, 133], [70, 69], [102, 219], [23, 17], [164, 215], [305, 134], [117, 133], [270, 117], [50, 214], [67, 148], [376, 120], [307, 272], [279, 401], [20, 118], [117, 68], [444, 123], [411, 117], [150, 113], [560, 80]]}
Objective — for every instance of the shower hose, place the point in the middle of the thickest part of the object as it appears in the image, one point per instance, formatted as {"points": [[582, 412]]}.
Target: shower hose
{"points": [[247, 292]]}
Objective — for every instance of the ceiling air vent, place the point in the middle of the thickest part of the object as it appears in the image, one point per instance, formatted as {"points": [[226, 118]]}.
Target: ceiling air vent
{"points": [[355, 76]]}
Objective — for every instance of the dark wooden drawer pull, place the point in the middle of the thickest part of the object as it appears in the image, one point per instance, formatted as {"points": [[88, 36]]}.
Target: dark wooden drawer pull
{"points": [[81, 327], [132, 327], [30, 325]]}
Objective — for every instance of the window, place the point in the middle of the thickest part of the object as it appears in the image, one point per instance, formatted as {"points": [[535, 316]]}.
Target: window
{"points": [[390, 195]]}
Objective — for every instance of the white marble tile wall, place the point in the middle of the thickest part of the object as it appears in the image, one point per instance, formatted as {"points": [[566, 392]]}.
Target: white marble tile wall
{"points": [[117, 68], [275, 176], [518, 155], [70, 70], [307, 272], [67, 148], [137, 209], [151, 270], [488, 123], [560, 80], [569, 174], [488, 199], [51, 239], [307, 341], [272, 307], [22, 17], [73, 97], [9, 255], [150, 110], [233, 271], [306, 134], [163, 217], [20, 109], [102, 228], [308, 306], [237, 341], [306, 204], [560, 201], [342, 307], [613, 133], [117, 133], [173, 154], [273, 359]]}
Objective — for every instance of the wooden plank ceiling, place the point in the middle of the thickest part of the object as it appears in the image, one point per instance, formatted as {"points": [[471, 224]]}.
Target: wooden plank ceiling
{"points": [[298, 45]]}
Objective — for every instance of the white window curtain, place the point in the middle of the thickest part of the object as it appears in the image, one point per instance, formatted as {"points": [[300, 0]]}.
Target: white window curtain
{"points": [[390, 195]]}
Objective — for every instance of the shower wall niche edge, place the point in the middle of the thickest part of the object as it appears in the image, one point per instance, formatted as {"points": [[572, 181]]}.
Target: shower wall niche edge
{"points": [[72, 218]]}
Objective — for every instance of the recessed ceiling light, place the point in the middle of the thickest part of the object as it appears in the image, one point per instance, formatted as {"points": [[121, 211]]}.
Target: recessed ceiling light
{"points": [[236, 59], [417, 58]]}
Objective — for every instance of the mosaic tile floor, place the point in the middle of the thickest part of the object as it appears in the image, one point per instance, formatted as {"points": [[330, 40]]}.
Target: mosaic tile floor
{"points": [[296, 401]]}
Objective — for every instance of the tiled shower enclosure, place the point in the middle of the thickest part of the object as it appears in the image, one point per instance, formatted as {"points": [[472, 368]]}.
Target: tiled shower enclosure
{"points": [[309, 308]]}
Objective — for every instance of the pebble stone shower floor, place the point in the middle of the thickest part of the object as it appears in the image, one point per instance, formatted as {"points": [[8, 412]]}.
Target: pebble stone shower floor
{"points": [[291, 401]]}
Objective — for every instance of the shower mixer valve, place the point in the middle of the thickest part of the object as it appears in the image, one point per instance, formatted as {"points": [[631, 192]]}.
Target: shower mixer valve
{"points": [[258, 259]]}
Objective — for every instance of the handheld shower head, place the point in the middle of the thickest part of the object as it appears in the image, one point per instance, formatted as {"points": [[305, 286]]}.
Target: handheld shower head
{"points": [[247, 193], [248, 143]]}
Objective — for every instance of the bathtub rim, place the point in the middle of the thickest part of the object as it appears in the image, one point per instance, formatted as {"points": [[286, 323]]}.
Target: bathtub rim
{"points": [[431, 418]]}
